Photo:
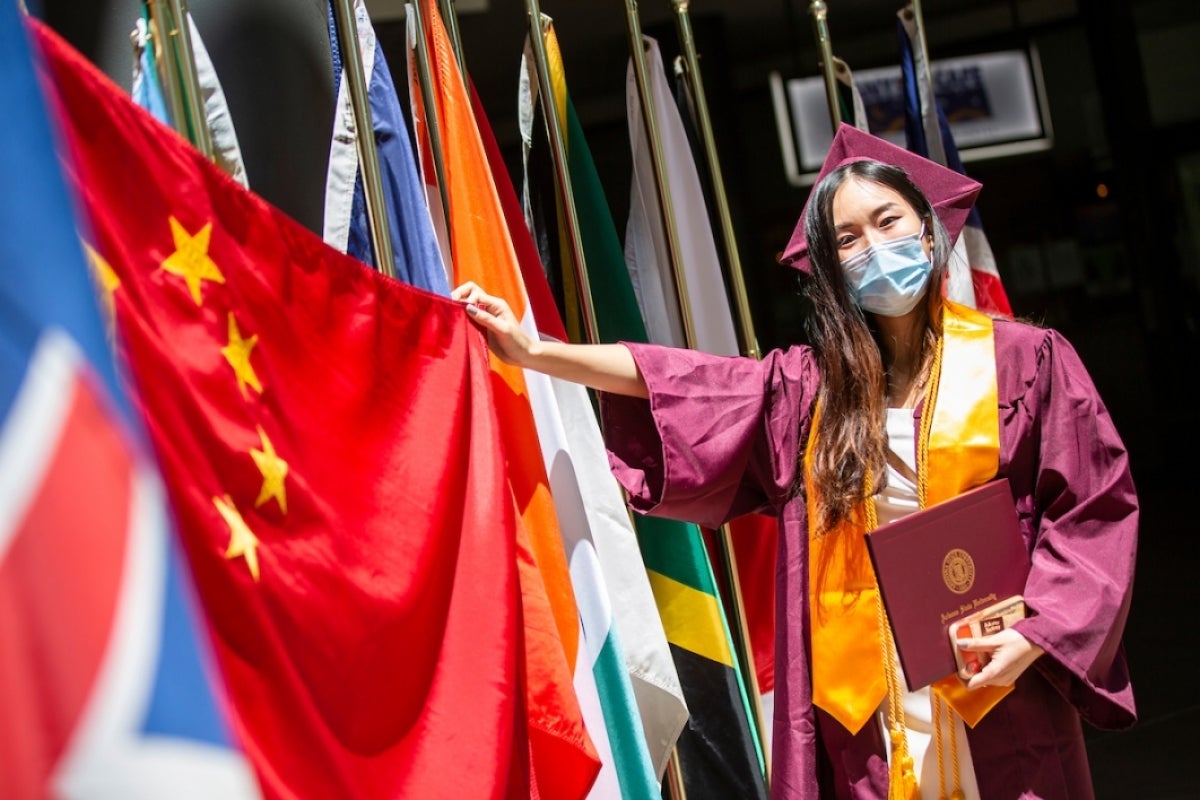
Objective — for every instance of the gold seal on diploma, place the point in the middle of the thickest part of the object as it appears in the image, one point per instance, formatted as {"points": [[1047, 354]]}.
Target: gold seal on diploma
{"points": [[958, 571]]}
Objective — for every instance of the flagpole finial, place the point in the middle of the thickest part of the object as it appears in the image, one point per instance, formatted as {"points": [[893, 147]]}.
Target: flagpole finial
{"points": [[820, 12]]}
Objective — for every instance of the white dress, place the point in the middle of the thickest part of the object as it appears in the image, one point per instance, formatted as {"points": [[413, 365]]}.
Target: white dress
{"points": [[898, 499]]}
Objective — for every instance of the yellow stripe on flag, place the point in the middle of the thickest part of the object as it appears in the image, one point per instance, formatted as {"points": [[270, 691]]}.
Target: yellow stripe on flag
{"points": [[681, 606]]}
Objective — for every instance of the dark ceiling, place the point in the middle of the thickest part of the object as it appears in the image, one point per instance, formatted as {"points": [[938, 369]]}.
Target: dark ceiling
{"points": [[740, 42]]}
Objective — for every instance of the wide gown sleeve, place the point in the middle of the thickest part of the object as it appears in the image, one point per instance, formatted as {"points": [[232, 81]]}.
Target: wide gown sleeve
{"points": [[717, 437], [1085, 513]]}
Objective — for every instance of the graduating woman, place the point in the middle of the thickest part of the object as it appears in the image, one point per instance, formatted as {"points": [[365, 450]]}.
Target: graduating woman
{"points": [[904, 399]]}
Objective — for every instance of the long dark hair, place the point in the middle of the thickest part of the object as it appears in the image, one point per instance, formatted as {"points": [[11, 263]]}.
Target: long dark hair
{"points": [[851, 434]]}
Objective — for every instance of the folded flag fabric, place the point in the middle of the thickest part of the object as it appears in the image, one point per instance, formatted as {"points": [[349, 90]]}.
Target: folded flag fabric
{"points": [[329, 447]]}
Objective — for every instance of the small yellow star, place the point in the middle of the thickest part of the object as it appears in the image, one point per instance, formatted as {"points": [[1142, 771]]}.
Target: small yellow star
{"points": [[274, 469], [237, 353], [190, 260], [242, 541], [105, 277]]}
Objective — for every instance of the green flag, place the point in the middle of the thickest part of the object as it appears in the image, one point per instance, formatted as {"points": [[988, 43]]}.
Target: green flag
{"points": [[718, 751]]}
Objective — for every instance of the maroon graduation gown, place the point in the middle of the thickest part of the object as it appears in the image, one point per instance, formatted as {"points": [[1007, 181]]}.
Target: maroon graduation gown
{"points": [[719, 437]]}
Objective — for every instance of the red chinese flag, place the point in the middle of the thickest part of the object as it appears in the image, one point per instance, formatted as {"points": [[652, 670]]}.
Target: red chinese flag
{"points": [[333, 459]]}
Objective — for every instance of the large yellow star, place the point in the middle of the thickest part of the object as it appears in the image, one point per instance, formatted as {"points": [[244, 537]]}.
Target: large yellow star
{"points": [[237, 353], [105, 277], [242, 541], [274, 469], [190, 260]]}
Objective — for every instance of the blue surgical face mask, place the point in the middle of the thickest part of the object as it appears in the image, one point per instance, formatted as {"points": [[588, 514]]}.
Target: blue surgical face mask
{"points": [[890, 277]]}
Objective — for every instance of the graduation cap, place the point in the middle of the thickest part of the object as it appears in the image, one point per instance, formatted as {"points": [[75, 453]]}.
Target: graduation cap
{"points": [[951, 193]]}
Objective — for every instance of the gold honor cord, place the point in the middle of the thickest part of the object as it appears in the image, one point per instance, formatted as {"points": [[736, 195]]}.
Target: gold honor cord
{"points": [[368, 158]]}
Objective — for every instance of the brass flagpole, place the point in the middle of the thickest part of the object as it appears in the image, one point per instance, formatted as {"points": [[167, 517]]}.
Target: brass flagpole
{"points": [[749, 342], [430, 104], [450, 20], [919, 17], [368, 158], [171, 37], [745, 324], [538, 24], [673, 779], [637, 48], [186, 60], [927, 99], [158, 23], [820, 11]]}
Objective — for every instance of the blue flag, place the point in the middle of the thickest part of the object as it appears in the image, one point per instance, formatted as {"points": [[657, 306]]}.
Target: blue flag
{"points": [[104, 680], [418, 259]]}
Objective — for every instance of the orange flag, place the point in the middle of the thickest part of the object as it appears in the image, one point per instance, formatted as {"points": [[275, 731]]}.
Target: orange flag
{"points": [[565, 762]]}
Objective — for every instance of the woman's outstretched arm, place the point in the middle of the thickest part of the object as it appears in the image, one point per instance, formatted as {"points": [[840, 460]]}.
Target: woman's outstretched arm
{"points": [[605, 367]]}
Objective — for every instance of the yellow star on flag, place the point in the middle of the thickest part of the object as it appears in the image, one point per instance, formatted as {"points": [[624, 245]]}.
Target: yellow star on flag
{"points": [[237, 353], [274, 469], [105, 277], [242, 541], [190, 260]]}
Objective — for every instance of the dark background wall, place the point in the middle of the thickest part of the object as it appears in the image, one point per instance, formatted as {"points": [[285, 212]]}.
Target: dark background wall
{"points": [[1118, 274]]}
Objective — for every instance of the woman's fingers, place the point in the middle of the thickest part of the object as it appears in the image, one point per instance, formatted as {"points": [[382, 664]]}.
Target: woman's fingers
{"points": [[470, 295], [494, 317], [1009, 655], [462, 292], [485, 317]]}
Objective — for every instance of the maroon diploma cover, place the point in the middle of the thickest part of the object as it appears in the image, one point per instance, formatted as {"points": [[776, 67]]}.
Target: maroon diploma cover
{"points": [[941, 563]]}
